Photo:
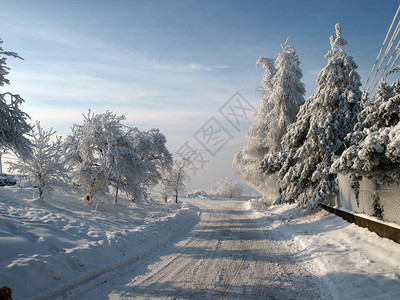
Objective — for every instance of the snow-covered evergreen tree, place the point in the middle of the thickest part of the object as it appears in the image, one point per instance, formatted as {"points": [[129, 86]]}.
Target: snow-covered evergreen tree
{"points": [[374, 152], [13, 121], [45, 167], [103, 152], [318, 135], [284, 93]]}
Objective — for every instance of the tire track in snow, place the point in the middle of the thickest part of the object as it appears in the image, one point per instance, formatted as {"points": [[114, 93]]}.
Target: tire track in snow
{"points": [[229, 255]]}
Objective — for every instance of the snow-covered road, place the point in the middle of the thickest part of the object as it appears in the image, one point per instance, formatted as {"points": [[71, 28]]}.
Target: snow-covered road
{"points": [[198, 249], [229, 254]]}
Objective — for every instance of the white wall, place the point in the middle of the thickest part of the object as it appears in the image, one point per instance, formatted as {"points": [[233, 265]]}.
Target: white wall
{"points": [[388, 194]]}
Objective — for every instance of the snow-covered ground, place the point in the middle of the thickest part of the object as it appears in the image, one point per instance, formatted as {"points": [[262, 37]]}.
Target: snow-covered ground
{"points": [[228, 255], [201, 248], [350, 262], [50, 246]]}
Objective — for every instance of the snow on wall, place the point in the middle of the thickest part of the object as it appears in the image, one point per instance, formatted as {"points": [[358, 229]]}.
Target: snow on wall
{"points": [[390, 201], [346, 197], [388, 196], [368, 192]]}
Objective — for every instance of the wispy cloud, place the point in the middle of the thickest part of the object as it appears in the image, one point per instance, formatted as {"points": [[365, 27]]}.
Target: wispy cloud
{"points": [[192, 67]]}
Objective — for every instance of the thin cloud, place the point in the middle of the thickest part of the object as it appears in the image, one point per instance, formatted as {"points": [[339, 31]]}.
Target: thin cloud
{"points": [[192, 67]]}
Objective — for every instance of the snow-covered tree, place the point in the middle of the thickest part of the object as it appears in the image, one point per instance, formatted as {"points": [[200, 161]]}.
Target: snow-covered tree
{"points": [[13, 121], [228, 188], [86, 148], [198, 194], [284, 93], [173, 181], [374, 152], [103, 152], [150, 148], [164, 188], [45, 167], [124, 170], [318, 135]]}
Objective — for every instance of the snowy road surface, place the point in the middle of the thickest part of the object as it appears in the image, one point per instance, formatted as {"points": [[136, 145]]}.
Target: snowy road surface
{"points": [[230, 254], [197, 249]]}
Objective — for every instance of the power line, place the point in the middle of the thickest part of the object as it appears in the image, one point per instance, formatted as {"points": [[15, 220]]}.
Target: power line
{"points": [[383, 73], [393, 38], [395, 60], [380, 51]]}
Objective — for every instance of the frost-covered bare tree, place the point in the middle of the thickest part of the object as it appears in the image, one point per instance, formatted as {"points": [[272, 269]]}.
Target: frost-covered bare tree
{"points": [[150, 148], [164, 187], [13, 121], [124, 170], [284, 93], [228, 188], [173, 180], [103, 152], [318, 135], [375, 149], [45, 167], [87, 151]]}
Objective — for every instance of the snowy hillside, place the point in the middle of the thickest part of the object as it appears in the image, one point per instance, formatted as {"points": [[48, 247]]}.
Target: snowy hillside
{"points": [[57, 243]]}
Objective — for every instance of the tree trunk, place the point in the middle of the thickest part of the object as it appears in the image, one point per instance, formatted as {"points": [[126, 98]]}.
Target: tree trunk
{"points": [[176, 196], [40, 186], [116, 195]]}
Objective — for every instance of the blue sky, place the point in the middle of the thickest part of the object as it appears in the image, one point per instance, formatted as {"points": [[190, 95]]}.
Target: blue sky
{"points": [[172, 64]]}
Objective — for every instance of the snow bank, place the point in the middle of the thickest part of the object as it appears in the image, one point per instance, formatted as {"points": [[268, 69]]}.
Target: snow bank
{"points": [[49, 246], [351, 262]]}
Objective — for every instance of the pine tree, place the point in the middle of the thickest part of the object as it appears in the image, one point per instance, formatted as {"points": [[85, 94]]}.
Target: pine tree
{"points": [[318, 135], [374, 151], [284, 93]]}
